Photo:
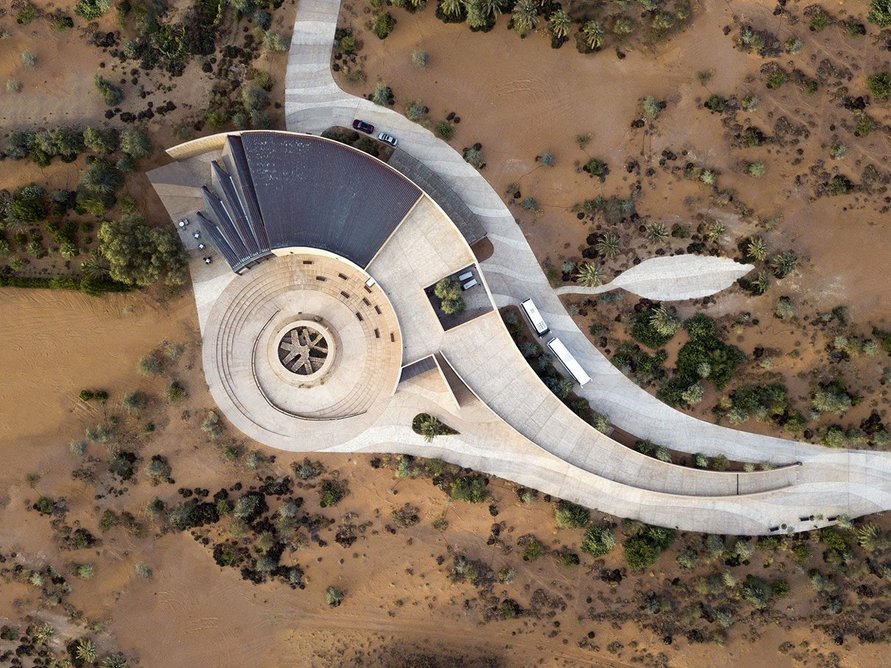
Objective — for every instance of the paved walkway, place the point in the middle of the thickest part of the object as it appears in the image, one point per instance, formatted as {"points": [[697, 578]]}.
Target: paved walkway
{"points": [[671, 278], [834, 481]]}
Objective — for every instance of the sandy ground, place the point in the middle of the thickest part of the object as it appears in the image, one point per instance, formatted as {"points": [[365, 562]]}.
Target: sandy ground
{"points": [[399, 602], [520, 98]]}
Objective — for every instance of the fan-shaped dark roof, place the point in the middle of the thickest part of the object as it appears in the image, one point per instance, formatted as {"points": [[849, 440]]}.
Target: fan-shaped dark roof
{"points": [[275, 190]]}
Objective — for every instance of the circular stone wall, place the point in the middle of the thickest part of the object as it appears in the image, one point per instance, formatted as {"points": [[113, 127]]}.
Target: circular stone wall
{"points": [[302, 343]]}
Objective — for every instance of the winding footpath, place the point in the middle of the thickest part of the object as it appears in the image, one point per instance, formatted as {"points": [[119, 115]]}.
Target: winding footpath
{"points": [[857, 481]]}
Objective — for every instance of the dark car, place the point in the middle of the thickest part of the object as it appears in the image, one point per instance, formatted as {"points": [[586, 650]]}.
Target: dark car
{"points": [[363, 126]]}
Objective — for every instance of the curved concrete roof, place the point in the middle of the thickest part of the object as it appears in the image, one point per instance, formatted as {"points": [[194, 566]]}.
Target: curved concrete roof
{"points": [[271, 190]]}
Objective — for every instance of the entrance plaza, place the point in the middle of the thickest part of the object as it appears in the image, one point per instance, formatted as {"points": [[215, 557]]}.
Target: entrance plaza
{"points": [[319, 335]]}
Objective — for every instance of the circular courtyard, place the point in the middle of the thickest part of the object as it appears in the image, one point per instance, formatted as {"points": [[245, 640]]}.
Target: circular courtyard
{"points": [[304, 341]]}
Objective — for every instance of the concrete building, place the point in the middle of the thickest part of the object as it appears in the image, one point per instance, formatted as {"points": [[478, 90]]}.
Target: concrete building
{"points": [[320, 334]]}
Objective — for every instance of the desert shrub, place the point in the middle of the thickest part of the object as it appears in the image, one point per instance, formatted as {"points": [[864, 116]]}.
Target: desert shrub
{"points": [[150, 365], [91, 9], [383, 25], [29, 59], [93, 395], [84, 571], [880, 13], [643, 549], [654, 327], [757, 591], [631, 359], [212, 425], [406, 516], [143, 571], [135, 142], [382, 94], [819, 20], [13, 86], [275, 42], [716, 103], [470, 487], [880, 86], [176, 392], [112, 95], [122, 464], [44, 505], [158, 469], [704, 349], [307, 470], [334, 596], [332, 492], [596, 167], [651, 107], [445, 130], [415, 111], [420, 58], [134, 401], [598, 540], [755, 169], [687, 558], [568, 515], [474, 156], [532, 548], [832, 398]]}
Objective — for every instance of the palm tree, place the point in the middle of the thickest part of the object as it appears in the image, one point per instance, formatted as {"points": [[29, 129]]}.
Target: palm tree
{"points": [[95, 267], [665, 320], [85, 650], [430, 427], [609, 245], [590, 275], [592, 33], [714, 231], [784, 263], [657, 233], [525, 17], [756, 248], [451, 7], [560, 24], [761, 283]]}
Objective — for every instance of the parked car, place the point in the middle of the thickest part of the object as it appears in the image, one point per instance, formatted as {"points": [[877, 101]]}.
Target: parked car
{"points": [[368, 128], [390, 139]]}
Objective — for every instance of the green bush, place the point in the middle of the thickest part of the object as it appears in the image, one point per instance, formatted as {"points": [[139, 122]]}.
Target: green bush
{"points": [[141, 255], [445, 130], [880, 13], [880, 86], [44, 505], [334, 596], [383, 25], [92, 9], [111, 94], [448, 290], [568, 515], [599, 540], [135, 143], [648, 329], [176, 392], [471, 488], [332, 492], [643, 549]]}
